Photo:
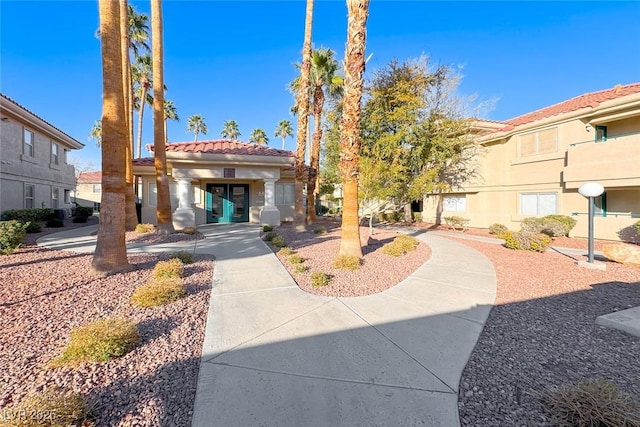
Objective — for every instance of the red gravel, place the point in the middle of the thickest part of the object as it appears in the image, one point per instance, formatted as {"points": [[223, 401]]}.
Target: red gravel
{"points": [[377, 273], [44, 293]]}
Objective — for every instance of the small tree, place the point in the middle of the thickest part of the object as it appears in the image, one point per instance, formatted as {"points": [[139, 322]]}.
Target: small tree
{"points": [[197, 125]]}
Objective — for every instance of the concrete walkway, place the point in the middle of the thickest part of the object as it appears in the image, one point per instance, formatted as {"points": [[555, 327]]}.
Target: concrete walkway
{"points": [[274, 355]]}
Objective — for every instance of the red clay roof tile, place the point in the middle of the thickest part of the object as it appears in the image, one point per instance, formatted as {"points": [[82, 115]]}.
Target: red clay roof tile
{"points": [[90, 177], [224, 146]]}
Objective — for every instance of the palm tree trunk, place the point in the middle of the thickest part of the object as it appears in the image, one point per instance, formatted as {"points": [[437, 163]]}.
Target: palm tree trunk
{"points": [[350, 139], [303, 118], [163, 209], [111, 252], [314, 160], [142, 101]]}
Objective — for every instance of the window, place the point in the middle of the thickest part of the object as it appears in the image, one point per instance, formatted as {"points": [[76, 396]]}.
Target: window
{"points": [[29, 193], [67, 197], [601, 133], [173, 194], [538, 204], [196, 194], [54, 153], [454, 203], [54, 198], [543, 142], [285, 194], [27, 146], [97, 188]]}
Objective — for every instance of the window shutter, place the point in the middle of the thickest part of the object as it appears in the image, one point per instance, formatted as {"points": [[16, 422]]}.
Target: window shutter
{"points": [[528, 144], [548, 141]]}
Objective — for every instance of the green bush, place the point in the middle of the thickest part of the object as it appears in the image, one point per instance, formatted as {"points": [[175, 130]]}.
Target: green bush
{"points": [[346, 262], [526, 240], [296, 259], [590, 402], [80, 211], [398, 216], [417, 216], [498, 229], [319, 278], [33, 227], [11, 236], [637, 227], [185, 257], [456, 222], [269, 236], [567, 221], [300, 269], [549, 226], [286, 251], [99, 341], [79, 219], [267, 228], [278, 242], [26, 215], [55, 223]]}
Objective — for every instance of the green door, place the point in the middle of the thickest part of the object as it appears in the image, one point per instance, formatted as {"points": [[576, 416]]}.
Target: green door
{"points": [[227, 203]]}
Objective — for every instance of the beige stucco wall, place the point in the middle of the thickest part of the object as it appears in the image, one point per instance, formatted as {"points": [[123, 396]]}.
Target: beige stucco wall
{"points": [[16, 169], [85, 196]]}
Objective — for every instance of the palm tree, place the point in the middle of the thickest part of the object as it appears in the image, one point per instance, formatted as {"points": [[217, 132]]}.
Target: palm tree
{"points": [[259, 136], [96, 132], [170, 113], [323, 75], [230, 130], [111, 252], [163, 208], [302, 107], [283, 130], [196, 125], [138, 31], [350, 138], [142, 72]]}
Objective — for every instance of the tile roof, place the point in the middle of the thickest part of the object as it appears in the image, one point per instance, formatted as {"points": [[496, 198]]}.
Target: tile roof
{"points": [[38, 117], [90, 177], [143, 161], [592, 100], [223, 146]]}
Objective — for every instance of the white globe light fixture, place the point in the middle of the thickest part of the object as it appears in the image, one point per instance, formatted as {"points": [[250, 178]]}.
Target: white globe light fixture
{"points": [[591, 190]]}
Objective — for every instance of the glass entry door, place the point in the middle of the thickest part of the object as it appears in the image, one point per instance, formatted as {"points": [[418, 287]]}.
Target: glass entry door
{"points": [[227, 203]]}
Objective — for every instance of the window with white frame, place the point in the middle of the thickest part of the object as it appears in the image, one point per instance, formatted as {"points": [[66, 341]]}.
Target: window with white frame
{"points": [[27, 142], [285, 194], [54, 198], [541, 142], [454, 203], [538, 204], [54, 153], [196, 194], [67, 196], [29, 196], [97, 188], [173, 194]]}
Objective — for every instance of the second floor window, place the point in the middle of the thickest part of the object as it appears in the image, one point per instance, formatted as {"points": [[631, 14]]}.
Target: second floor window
{"points": [[27, 143], [54, 153]]}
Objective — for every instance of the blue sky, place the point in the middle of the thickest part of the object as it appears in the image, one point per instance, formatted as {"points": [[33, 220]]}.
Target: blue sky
{"points": [[232, 60]]}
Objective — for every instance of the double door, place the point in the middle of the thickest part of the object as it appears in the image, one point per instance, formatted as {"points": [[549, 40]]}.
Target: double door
{"points": [[227, 203]]}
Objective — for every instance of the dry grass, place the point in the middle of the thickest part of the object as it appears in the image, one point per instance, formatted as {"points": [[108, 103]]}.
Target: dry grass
{"points": [[319, 278], [52, 407], [171, 268], [346, 262], [185, 257], [145, 228], [158, 291], [401, 245]]}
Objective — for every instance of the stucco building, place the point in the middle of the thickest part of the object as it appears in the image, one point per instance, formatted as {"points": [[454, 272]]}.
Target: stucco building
{"points": [[221, 181], [533, 165], [34, 172], [89, 190]]}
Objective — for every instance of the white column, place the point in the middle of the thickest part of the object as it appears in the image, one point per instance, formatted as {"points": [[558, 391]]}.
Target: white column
{"points": [[269, 192], [270, 214], [184, 193]]}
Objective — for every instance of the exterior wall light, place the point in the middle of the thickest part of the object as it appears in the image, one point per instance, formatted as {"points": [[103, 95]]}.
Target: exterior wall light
{"points": [[588, 127]]}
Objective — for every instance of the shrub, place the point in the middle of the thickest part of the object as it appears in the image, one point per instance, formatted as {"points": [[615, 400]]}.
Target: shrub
{"points": [[33, 227], [26, 215], [319, 278], [278, 242], [408, 243], [185, 257], [269, 236], [526, 240], [286, 251], [79, 219], [347, 262], [267, 228], [548, 226], [171, 268], [158, 291], [498, 229], [51, 407], [591, 402], [417, 216], [296, 259], [300, 269], [567, 221], [11, 236], [637, 227], [55, 223], [85, 211], [397, 216], [145, 228], [456, 222], [320, 230], [100, 341], [189, 230]]}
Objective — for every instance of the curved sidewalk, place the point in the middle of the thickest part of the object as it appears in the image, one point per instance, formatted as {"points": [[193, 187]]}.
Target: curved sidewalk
{"points": [[274, 355]]}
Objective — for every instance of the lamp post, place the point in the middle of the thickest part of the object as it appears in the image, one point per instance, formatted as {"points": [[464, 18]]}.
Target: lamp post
{"points": [[590, 190]]}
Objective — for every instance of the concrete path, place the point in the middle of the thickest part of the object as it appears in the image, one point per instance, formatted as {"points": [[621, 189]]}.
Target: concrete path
{"points": [[274, 355]]}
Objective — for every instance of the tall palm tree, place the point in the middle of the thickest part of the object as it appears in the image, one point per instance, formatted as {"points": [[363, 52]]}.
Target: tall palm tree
{"points": [[111, 252], [230, 130], [142, 75], [350, 138], [96, 132], [323, 75], [302, 107], [138, 25], [170, 113], [259, 136], [196, 125], [283, 130], [163, 206]]}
